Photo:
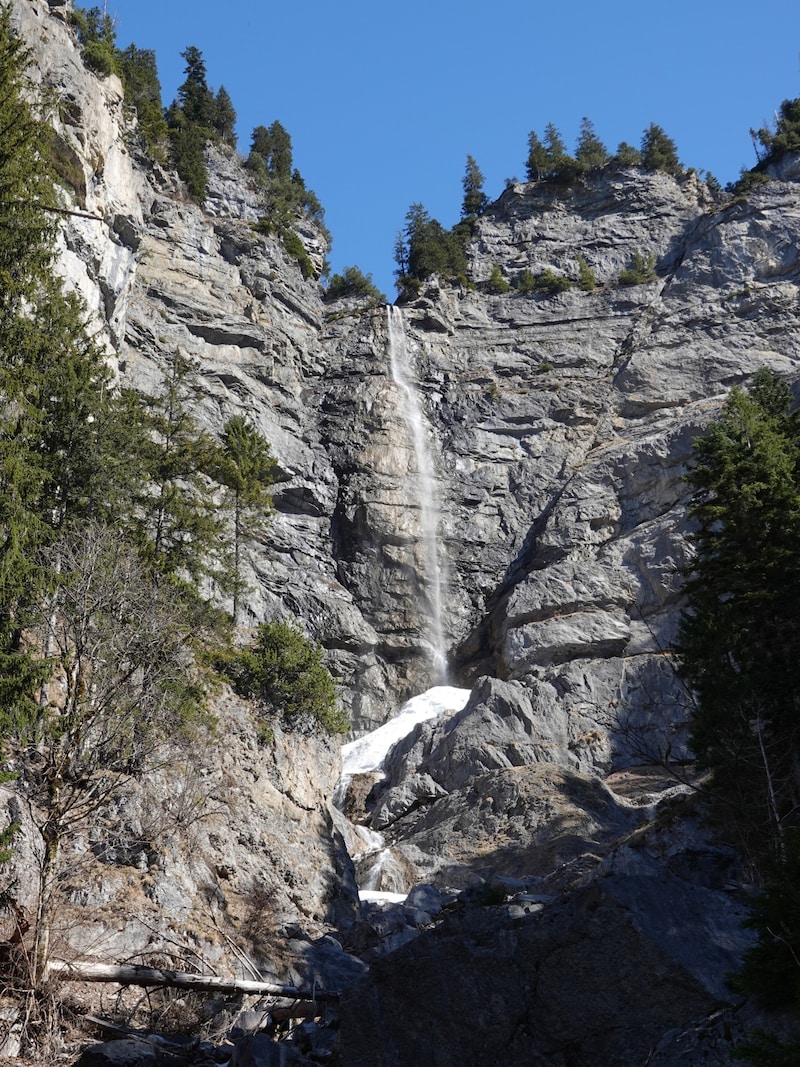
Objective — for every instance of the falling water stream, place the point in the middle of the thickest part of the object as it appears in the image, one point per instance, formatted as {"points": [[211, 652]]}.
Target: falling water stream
{"points": [[366, 755], [427, 497]]}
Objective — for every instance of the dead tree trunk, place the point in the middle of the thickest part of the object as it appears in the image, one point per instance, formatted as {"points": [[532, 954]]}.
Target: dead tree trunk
{"points": [[129, 974]]}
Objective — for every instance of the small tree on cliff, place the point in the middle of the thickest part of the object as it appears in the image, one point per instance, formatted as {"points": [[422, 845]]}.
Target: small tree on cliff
{"points": [[537, 163], [143, 91], [179, 525], [475, 200], [590, 151], [247, 469], [659, 151], [283, 669]]}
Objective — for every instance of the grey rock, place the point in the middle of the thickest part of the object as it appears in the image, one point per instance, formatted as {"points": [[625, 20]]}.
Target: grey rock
{"points": [[525, 822], [247, 1022], [426, 897], [521, 991], [127, 1052], [259, 1050], [415, 791]]}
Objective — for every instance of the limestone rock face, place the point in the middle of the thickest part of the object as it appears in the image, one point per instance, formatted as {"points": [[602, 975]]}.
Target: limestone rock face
{"points": [[557, 427], [220, 848], [560, 427], [93, 161]]}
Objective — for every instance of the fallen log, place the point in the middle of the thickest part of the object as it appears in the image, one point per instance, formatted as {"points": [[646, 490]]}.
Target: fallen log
{"points": [[132, 974]]}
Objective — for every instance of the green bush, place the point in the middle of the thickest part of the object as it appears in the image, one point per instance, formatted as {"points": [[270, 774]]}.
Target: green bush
{"points": [[547, 282], [97, 37], [284, 670], [297, 250], [784, 138], [525, 282], [101, 57], [642, 269], [496, 282], [748, 179], [550, 282], [353, 282], [586, 276]]}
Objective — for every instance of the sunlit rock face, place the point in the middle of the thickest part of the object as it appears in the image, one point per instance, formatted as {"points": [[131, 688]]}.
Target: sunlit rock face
{"points": [[556, 427], [560, 428]]}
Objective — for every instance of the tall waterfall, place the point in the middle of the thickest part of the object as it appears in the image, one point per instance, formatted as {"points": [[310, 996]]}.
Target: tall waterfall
{"points": [[427, 497]]}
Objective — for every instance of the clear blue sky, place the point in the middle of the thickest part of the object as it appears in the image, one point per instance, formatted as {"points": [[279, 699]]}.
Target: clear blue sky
{"points": [[384, 102]]}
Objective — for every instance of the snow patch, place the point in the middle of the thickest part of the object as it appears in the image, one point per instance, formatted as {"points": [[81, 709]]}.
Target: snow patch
{"points": [[368, 752]]}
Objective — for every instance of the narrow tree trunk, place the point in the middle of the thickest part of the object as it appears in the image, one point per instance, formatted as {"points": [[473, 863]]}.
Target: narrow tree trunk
{"points": [[772, 797], [44, 904]]}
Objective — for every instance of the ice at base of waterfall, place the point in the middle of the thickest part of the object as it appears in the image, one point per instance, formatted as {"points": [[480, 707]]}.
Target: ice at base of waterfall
{"points": [[374, 896], [369, 752]]}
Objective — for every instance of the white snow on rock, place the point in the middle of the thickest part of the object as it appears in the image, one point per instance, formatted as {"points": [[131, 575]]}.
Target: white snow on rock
{"points": [[369, 752]]}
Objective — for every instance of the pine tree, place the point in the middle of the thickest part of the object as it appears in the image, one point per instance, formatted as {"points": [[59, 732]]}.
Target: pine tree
{"points": [[739, 641], [188, 142], [247, 469], [430, 248], [771, 144], [555, 148], [537, 164], [739, 645], [191, 123], [284, 670], [194, 96], [27, 230], [279, 158], [475, 200], [659, 151], [590, 152], [143, 91], [51, 375], [97, 34], [180, 528], [627, 156], [225, 117]]}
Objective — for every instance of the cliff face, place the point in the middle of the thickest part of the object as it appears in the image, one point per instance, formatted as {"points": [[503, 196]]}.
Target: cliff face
{"points": [[552, 435], [561, 425], [557, 426]]}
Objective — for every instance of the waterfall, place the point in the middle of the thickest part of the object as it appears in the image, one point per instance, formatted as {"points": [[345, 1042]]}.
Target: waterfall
{"points": [[426, 489]]}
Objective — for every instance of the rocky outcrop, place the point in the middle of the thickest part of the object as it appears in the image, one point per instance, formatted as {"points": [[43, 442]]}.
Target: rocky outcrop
{"points": [[217, 854], [599, 961], [521, 991]]}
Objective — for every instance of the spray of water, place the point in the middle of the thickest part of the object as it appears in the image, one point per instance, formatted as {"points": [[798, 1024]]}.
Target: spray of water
{"points": [[426, 487]]}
